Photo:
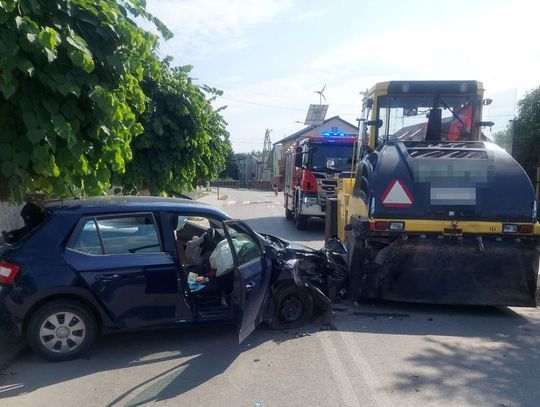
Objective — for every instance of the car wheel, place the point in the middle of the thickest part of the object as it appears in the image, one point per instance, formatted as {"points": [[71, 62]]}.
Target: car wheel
{"points": [[293, 308], [61, 330]]}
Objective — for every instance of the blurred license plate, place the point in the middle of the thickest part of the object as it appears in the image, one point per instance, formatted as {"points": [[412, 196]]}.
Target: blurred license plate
{"points": [[453, 196]]}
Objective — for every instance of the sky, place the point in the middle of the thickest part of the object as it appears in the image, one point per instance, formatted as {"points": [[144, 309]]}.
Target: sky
{"points": [[269, 56]]}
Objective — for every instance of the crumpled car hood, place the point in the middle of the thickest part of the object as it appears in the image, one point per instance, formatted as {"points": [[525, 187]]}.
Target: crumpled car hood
{"points": [[317, 268], [282, 244]]}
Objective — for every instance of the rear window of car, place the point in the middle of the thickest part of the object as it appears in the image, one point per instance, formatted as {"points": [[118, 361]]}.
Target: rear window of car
{"points": [[32, 216], [117, 235]]}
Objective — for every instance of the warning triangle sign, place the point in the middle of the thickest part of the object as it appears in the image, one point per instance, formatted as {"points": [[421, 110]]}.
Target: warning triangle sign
{"points": [[397, 195]]}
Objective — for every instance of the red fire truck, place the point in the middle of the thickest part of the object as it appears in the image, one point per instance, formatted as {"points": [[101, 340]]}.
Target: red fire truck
{"points": [[312, 168]]}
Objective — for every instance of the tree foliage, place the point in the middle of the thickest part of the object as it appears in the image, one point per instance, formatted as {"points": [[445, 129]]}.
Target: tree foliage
{"points": [[503, 138], [70, 83], [85, 103], [231, 167], [184, 142], [526, 144]]}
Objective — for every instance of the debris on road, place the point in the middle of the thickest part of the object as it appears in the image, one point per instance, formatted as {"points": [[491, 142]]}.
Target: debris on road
{"points": [[381, 314]]}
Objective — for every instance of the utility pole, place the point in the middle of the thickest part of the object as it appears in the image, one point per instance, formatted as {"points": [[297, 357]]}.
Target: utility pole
{"points": [[267, 151]]}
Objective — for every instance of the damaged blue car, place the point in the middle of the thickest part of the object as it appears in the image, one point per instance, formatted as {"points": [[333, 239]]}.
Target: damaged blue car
{"points": [[80, 268]]}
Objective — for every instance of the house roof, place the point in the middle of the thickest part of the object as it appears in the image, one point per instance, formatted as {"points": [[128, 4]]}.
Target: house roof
{"points": [[308, 128]]}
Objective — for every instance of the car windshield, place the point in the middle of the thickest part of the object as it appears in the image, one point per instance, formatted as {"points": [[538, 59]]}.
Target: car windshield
{"points": [[419, 118], [331, 157]]}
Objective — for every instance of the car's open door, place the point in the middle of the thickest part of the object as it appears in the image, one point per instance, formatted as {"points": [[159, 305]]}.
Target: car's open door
{"points": [[252, 272]]}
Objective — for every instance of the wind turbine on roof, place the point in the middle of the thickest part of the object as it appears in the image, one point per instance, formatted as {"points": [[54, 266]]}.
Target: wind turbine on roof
{"points": [[317, 113], [321, 94]]}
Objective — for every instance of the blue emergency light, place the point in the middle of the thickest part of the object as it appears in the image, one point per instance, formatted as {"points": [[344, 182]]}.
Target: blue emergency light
{"points": [[332, 134]]}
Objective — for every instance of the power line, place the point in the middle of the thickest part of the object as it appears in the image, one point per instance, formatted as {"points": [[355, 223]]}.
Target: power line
{"points": [[281, 107], [263, 104], [336, 113]]}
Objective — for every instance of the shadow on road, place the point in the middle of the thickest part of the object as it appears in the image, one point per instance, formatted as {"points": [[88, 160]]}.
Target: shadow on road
{"points": [[486, 355], [490, 355], [196, 355]]}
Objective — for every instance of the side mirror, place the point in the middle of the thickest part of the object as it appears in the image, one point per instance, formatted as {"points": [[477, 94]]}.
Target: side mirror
{"points": [[270, 252], [377, 123]]}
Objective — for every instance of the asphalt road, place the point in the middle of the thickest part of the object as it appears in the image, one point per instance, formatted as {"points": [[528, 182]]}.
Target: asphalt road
{"points": [[265, 213], [383, 355]]}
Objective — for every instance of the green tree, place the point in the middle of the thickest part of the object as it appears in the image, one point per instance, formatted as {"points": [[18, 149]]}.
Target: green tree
{"points": [[503, 138], [240, 156], [70, 92], [526, 144], [184, 142], [231, 167]]}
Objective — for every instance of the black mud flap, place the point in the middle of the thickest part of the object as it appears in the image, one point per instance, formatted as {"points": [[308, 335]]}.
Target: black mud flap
{"points": [[467, 271]]}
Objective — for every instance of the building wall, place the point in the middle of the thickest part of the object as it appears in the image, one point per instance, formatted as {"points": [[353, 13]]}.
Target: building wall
{"points": [[276, 156], [10, 217], [259, 170], [247, 169]]}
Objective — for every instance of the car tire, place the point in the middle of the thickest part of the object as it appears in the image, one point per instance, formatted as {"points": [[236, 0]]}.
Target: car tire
{"points": [[293, 307], [61, 330]]}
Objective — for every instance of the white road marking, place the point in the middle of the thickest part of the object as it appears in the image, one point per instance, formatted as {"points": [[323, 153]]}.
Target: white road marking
{"points": [[345, 387], [370, 378]]}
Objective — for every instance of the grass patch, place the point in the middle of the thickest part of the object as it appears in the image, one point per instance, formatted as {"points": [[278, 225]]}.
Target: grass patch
{"points": [[223, 197]]}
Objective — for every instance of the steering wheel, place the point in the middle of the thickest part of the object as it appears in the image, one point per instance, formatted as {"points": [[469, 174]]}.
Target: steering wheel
{"points": [[209, 238]]}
